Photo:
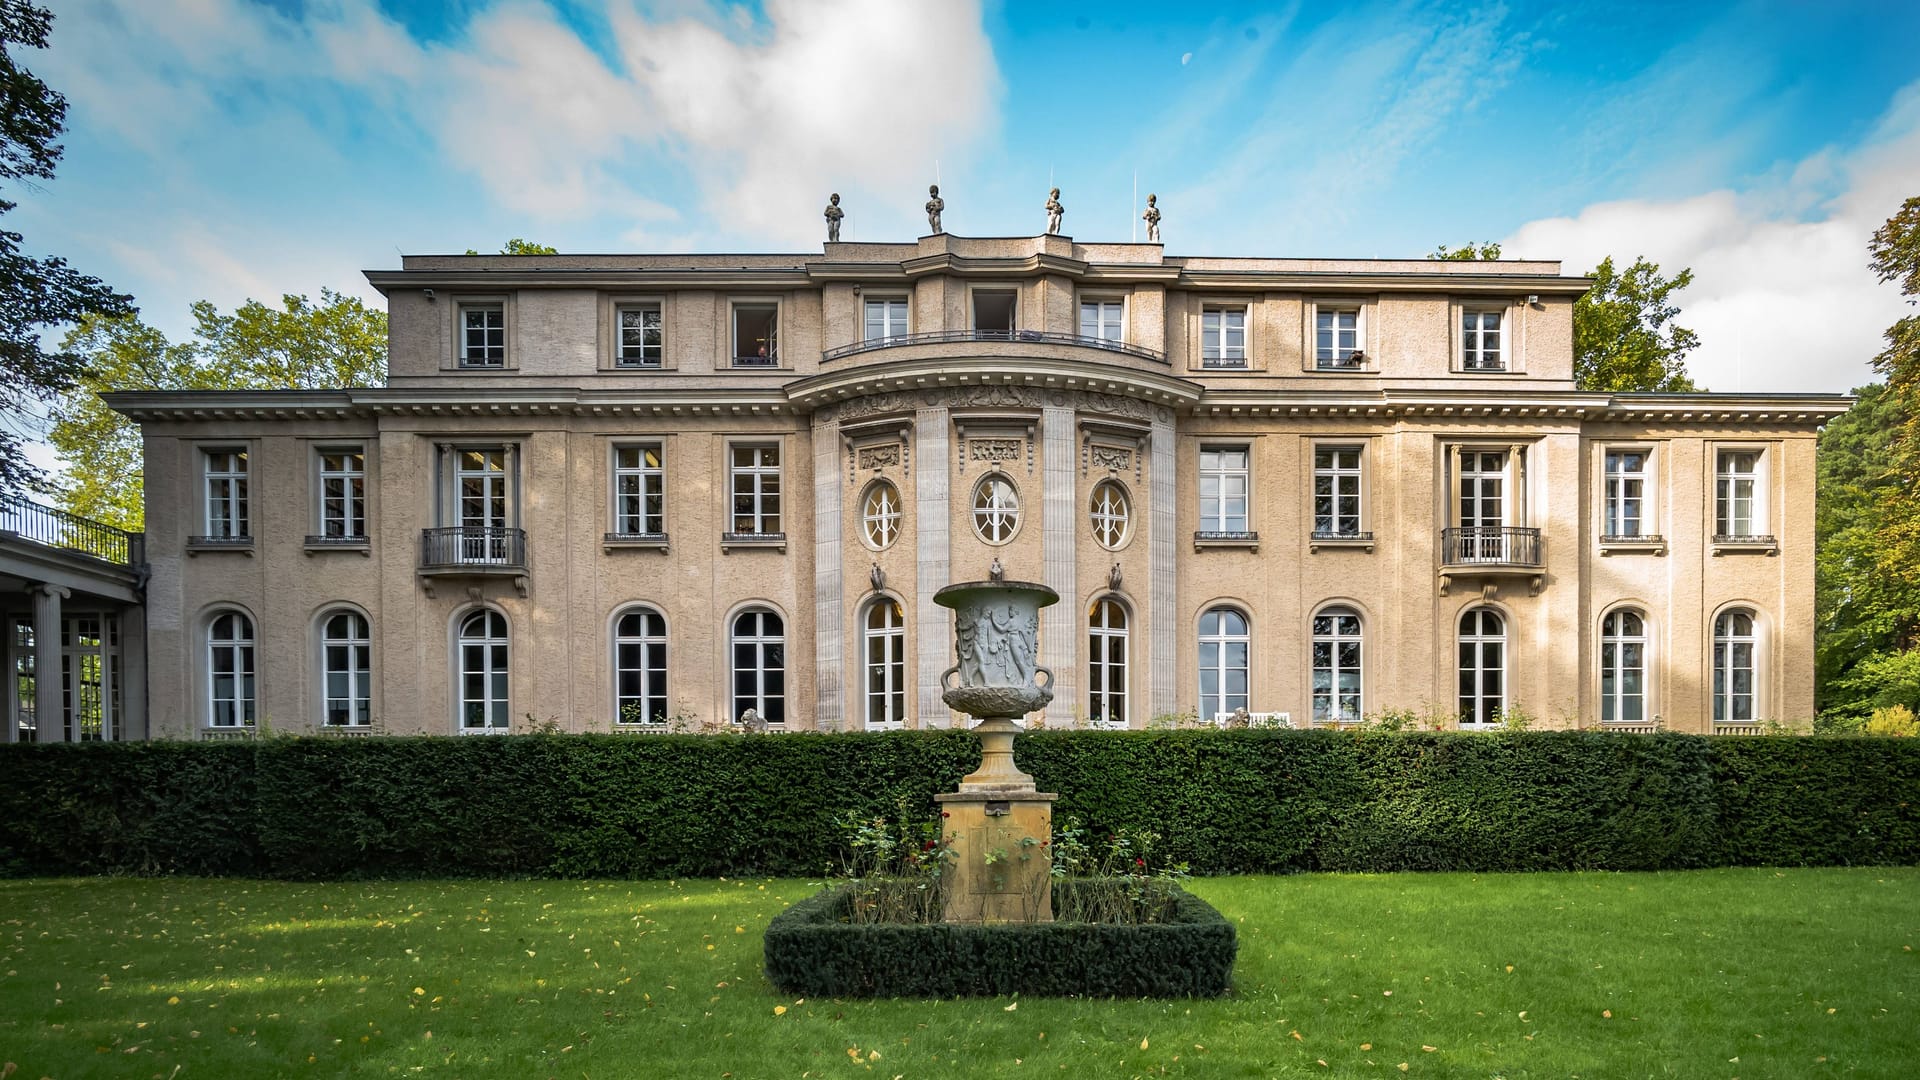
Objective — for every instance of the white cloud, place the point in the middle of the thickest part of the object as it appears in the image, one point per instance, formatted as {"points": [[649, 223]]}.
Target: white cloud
{"points": [[1782, 297]]}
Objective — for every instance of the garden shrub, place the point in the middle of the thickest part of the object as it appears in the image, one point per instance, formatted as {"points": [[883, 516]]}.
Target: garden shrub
{"points": [[1224, 801], [812, 950]]}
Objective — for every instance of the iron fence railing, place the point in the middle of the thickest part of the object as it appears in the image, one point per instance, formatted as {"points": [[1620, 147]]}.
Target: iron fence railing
{"points": [[56, 528], [478, 547], [936, 337], [1491, 545]]}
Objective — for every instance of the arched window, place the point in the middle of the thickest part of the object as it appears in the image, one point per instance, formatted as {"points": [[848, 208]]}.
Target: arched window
{"points": [[1623, 668], [1107, 663], [886, 640], [346, 658], [1224, 646], [1336, 666], [1483, 667], [231, 695], [759, 666], [880, 515], [1111, 513], [640, 668], [1734, 643], [483, 672], [996, 509]]}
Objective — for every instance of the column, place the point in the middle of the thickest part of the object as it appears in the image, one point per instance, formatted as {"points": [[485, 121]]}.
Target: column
{"points": [[1163, 613], [829, 623], [933, 517], [49, 713], [1060, 519]]}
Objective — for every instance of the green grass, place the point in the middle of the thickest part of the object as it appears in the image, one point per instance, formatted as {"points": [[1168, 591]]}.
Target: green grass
{"points": [[1724, 973]]}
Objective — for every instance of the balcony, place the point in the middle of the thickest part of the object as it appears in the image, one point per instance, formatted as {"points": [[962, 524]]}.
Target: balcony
{"points": [[940, 337], [1492, 552], [474, 551], [46, 545]]}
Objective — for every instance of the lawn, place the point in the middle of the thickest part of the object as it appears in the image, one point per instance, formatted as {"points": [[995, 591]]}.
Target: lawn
{"points": [[1725, 973]]}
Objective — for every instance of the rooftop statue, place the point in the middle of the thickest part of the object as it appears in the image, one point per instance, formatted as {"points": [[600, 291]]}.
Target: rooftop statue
{"points": [[1152, 218], [834, 214], [934, 206], [1054, 212]]}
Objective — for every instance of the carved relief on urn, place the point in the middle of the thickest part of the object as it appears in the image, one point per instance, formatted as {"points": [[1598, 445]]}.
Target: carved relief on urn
{"points": [[996, 632]]}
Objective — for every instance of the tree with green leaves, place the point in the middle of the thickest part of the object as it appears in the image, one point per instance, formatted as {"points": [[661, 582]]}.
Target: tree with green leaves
{"points": [[35, 293], [1468, 252], [517, 246], [339, 342]]}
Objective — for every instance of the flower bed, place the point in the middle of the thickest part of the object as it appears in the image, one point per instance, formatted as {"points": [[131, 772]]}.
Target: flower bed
{"points": [[812, 949]]}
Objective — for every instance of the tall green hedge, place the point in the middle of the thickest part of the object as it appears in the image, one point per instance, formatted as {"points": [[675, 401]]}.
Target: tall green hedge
{"points": [[1234, 801]]}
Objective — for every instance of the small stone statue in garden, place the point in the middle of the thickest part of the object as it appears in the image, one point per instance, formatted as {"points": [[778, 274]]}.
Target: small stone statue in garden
{"points": [[750, 721], [934, 206], [834, 214], [1055, 212], [1152, 218], [1240, 718]]}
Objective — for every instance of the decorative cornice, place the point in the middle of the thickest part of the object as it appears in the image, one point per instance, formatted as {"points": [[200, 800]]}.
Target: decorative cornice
{"points": [[937, 374], [1787, 410]]}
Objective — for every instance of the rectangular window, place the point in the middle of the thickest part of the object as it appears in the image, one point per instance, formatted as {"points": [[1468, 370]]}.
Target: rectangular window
{"points": [[1336, 339], [1737, 509], [756, 335], [1626, 491], [756, 490], [343, 494], [1336, 491], [1223, 337], [226, 491], [1100, 320], [483, 335], [993, 312], [886, 318], [1223, 489], [639, 491], [1480, 346], [641, 344]]}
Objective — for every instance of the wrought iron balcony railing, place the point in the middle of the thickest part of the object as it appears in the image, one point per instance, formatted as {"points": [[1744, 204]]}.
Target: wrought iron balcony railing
{"points": [[55, 528], [1037, 337], [1491, 546], [474, 548]]}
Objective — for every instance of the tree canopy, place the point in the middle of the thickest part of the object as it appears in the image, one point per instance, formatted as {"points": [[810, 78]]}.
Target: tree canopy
{"points": [[517, 246], [1468, 252], [338, 342], [35, 293]]}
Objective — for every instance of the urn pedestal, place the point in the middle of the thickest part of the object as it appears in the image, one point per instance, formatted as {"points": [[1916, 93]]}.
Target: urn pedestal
{"points": [[998, 824]]}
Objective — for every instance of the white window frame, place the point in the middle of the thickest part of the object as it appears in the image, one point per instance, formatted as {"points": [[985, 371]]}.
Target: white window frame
{"points": [[1110, 514], [883, 640], [639, 359], [1623, 653], [351, 476], [648, 484], [242, 656], [1338, 476], [1615, 498], [735, 359], [1220, 332], [471, 356], [649, 705], [1334, 360], [226, 492], [1726, 646], [769, 705], [995, 508], [1109, 627], [356, 648], [1475, 704], [496, 658], [1329, 704], [1225, 478], [880, 524], [1110, 319], [890, 327], [1473, 350], [763, 488], [1222, 702], [1758, 525]]}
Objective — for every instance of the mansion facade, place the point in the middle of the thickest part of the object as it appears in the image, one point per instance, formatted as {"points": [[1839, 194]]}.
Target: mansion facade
{"points": [[662, 492]]}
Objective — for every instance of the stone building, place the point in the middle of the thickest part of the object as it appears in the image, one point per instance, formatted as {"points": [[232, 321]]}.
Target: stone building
{"points": [[653, 492]]}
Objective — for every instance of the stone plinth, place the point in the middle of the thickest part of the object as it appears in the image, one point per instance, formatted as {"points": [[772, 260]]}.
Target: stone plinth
{"points": [[1003, 872]]}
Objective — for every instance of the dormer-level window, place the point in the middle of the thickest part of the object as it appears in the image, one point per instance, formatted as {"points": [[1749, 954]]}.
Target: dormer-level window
{"points": [[1223, 337], [756, 335], [483, 335], [1101, 320], [1482, 344], [993, 311], [1336, 339], [641, 342], [886, 318]]}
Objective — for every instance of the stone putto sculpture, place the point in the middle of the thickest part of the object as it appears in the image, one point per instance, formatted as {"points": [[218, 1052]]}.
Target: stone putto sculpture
{"points": [[934, 206], [833, 215], [1055, 212], [1152, 218]]}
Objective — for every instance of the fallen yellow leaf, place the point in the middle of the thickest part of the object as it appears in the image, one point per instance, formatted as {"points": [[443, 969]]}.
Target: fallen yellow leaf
{"points": [[173, 1001], [1403, 1066], [873, 1055], [1366, 1046], [419, 991], [1830, 1012], [1429, 1049], [1608, 1013], [1143, 1044], [779, 1010], [1509, 969], [1297, 1035], [1011, 1007]]}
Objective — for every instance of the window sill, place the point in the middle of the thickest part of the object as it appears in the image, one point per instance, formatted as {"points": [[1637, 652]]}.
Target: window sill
{"points": [[487, 368], [1360, 540], [759, 363], [631, 365], [771, 541], [241, 544], [1221, 365], [1248, 540], [1745, 545], [635, 542], [359, 544], [1334, 367], [1650, 544]]}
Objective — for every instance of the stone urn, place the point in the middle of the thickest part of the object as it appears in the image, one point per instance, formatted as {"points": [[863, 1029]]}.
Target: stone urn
{"points": [[998, 824]]}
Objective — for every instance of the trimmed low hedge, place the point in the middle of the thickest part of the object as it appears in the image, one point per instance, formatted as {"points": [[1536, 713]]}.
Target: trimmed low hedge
{"points": [[810, 951], [1225, 801]]}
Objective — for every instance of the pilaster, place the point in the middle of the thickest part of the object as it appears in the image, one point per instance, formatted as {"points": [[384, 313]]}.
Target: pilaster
{"points": [[1059, 520], [1163, 613], [49, 717], [933, 633], [830, 706]]}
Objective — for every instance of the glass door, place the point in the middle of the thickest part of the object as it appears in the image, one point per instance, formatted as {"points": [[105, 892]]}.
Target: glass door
{"points": [[480, 483]]}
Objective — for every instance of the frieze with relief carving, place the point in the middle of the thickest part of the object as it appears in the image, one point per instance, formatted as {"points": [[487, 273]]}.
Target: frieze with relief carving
{"points": [[1110, 457], [874, 458], [996, 450]]}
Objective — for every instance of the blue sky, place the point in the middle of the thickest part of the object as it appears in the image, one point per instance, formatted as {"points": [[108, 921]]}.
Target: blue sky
{"points": [[234, 148]]}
